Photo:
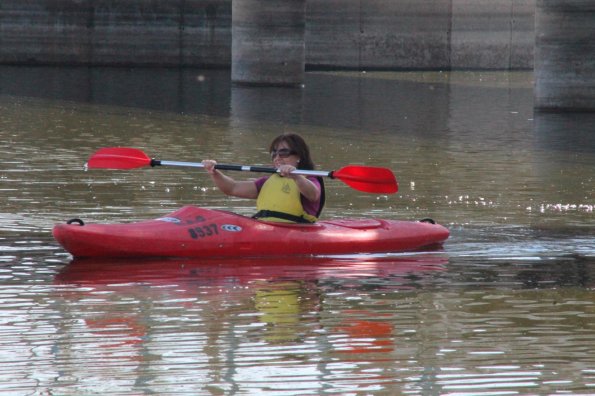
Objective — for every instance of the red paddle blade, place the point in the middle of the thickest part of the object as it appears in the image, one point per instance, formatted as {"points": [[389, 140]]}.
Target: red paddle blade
{"points": [[368, 179], [118, 158]]}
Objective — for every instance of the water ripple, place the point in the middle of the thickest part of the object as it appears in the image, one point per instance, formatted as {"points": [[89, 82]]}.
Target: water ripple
{"points": [[506, 307]]}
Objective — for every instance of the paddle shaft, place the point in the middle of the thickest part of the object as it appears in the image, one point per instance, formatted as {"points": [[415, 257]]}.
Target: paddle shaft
{"points": [[362, 178], [244, 168]]}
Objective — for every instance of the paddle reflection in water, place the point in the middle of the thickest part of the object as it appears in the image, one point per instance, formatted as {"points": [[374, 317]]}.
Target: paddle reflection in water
{"points": [[278, 324]]}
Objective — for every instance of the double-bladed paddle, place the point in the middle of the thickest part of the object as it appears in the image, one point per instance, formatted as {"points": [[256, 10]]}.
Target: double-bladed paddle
{"points": [[369, 179]]}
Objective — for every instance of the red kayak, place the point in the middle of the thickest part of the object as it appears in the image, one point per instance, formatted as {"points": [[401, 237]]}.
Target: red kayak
{"points": [[199, 232]]}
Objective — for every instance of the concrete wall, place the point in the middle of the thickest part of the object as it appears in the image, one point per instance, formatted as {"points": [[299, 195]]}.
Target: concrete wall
{"points": [[565, 55], [371, 34], [378, 34], [267, 42], [489, 34], [420, 34], [112, 32]]}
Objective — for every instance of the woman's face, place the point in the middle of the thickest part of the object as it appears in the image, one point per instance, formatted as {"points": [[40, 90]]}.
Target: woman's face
{"points": [[284, 155]]}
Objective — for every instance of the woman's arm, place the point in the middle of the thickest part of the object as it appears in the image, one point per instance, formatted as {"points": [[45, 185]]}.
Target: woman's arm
{"points": [[308, 189], [228, 185]]}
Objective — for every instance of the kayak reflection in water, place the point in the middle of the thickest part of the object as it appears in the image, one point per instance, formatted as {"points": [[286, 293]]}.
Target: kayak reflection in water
{"points": [[283, 196]]}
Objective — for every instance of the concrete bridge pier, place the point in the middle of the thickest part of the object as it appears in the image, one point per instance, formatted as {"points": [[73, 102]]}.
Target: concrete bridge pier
{"points": [[267, 46], [565, 55]]}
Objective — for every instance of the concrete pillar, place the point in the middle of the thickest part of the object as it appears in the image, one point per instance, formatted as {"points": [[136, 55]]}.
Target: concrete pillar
{"points": [[267, 44], [565, 55]]}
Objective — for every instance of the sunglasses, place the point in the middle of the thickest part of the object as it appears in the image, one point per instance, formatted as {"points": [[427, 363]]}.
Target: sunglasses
{"points": [[282, 153]]}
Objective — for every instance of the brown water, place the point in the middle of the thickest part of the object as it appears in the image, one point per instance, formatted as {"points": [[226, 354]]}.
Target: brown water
{"points": [[506, 307]]}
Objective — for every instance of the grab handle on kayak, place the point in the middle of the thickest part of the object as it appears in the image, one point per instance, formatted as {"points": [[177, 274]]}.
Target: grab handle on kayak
{"points": [[76, 220]]}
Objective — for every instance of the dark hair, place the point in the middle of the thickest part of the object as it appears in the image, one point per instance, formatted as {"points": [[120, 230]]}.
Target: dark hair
{"points": [[297, 144]]}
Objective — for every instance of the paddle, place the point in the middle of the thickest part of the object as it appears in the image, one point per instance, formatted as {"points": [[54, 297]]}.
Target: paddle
{"points": [[362, 178]]}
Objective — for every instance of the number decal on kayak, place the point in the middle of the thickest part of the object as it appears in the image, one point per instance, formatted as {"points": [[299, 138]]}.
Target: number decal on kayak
{"points": [[203, 231]]}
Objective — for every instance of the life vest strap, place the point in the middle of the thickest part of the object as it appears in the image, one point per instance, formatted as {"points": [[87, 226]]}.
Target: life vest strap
{"points": [[281, 215]]}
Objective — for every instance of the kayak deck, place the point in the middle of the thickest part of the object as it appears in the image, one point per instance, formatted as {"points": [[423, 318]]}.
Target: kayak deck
{"points": [[198, 232]]}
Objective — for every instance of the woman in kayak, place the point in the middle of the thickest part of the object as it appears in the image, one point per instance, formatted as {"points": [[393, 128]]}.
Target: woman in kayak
{"points": [[283, 196]]}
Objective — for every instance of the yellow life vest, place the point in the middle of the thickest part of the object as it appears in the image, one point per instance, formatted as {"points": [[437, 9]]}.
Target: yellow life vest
{"points": [[280, 200]]}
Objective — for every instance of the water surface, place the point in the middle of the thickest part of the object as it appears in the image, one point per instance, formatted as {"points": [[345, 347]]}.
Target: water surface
{"points": [[506, 307]]}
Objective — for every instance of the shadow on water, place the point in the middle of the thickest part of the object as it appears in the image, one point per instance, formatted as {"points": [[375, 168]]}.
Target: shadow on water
{"points": [[343, 101], [401, 269], [568, 132], [432, 271], [565, 271], [443, 103], [445, 107], [165, 90]]}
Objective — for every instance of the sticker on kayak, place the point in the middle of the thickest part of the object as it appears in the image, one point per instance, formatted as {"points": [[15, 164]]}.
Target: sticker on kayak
{"points": [[174, 220], [231, 228]]}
